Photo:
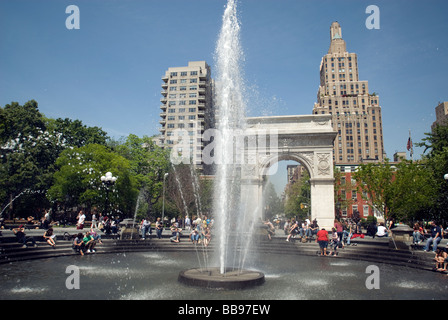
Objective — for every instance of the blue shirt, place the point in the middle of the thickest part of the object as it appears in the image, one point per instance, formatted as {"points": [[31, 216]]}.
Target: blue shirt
{"points": [[435, 230]]}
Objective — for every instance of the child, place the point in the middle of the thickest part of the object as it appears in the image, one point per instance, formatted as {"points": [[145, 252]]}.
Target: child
{"points": [[334, 242]]}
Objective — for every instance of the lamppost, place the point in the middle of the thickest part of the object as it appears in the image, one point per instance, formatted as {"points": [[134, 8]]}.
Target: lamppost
{"points": [[163, 199], [445, 176], [304, 205], [108, 180]]}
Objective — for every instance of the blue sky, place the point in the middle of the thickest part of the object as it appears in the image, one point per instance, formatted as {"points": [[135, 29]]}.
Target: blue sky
{"points": [[108, 73]]}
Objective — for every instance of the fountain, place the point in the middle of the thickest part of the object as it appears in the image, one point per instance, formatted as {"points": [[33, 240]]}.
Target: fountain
{"points": [[233, 229]]}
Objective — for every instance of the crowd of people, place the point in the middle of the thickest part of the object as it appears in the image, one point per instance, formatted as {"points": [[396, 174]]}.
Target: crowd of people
{"points": [[200, 231]]}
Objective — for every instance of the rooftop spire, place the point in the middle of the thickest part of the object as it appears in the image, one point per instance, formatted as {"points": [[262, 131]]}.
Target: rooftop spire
{"points": [[337, 44]]}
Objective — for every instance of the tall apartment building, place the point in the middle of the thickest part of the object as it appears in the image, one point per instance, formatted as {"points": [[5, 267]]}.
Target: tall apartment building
{"points": [[187, 108], [356, 112], [441, 115]]}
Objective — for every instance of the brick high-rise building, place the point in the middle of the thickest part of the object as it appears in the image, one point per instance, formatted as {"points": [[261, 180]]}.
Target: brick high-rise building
{"points": [[356, 112]]}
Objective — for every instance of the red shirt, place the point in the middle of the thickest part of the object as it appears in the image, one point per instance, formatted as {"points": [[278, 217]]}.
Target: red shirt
{"points": [[322, 235]]}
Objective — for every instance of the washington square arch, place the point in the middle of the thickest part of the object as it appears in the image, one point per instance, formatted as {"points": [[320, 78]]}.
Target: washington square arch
{"points": [[307, 139]]}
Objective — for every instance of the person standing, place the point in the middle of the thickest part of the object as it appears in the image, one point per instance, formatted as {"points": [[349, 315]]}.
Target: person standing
{"points": [[286, 226], [270, 229], [334, 242], [94, 220], [146, 227], [159, 228], [81, 218], [47, 219], [187, 223], [339, 230], [322, 239]]}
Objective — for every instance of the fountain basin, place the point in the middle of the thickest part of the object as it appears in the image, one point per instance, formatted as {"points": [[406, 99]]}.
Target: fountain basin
{"points": [[211, 278]]}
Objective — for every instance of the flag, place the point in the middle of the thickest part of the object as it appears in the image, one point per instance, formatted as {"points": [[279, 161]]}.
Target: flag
{"points": [[410, 146]]}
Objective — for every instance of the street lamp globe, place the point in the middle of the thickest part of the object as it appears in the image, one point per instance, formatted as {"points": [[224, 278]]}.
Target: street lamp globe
{"points": [[445, 176]]}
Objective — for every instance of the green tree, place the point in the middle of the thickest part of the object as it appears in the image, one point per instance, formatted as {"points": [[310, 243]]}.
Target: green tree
{"points": [[30, 144], [148, 164], [402, 192], [272, 203], [78, 180], [27, 156], [436, 161], [375, 181], [74, 133], [297, 202], [413, 191]]}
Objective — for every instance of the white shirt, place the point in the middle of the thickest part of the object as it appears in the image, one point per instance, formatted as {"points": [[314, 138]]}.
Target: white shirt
{"points": [[381, 231], [81, 219]]}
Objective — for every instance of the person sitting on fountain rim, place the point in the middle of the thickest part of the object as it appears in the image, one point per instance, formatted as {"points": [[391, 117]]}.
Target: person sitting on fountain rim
{"points": [[22, 238], [49, 237], [436, 237], [175, 233], [194, 236], [293, 231], [89, 242], [441, 259], [78, 244]]}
